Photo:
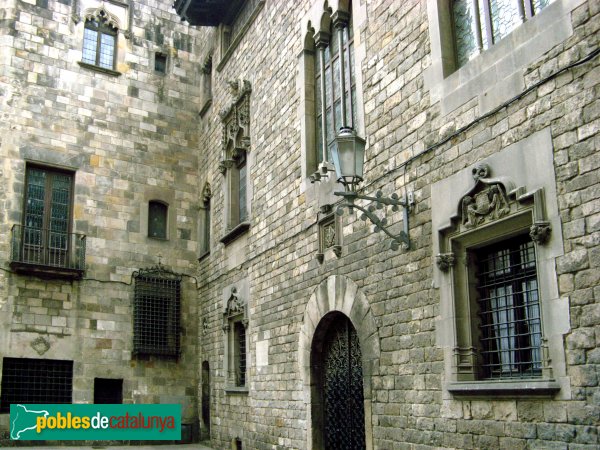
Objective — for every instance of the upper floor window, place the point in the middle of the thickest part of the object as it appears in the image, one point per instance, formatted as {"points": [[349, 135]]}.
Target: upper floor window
{"points": [[335, 83], [157, 219], [479, 24], [100, 40], [204, 234], [45, 238]]}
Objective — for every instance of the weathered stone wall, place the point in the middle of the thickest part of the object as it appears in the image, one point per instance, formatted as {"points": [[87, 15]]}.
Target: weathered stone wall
{"points": [[413, 142], [129, 138]]}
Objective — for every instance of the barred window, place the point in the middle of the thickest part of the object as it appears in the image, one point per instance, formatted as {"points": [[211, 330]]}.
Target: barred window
{"points": [[509, 310], [35, 381], [156, 312], [239, 332], [99, 44], [479, 24]]}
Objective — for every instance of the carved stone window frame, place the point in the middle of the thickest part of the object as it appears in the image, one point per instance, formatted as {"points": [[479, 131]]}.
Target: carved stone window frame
{"points": [[509, 208], [235, 312], [235, 150], [204, 233]]}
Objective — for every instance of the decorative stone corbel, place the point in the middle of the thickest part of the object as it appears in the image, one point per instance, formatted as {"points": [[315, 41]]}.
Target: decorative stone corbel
{"points": [[444, 261], [540, 232]]}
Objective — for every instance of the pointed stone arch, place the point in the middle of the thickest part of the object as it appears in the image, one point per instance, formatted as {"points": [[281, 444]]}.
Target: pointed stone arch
{"points": [[338, 294]]}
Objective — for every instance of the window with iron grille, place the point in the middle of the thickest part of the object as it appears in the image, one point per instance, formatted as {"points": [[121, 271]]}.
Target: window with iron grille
{"points": [[479, 24], [509, 310], [35, 381], [108, 391], [99, 43], [239, 332], [335, 83], [156, 312]]}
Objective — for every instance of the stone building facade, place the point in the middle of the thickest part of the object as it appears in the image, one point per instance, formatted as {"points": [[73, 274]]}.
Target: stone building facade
{"points": [[94, 137], [301, 328]]}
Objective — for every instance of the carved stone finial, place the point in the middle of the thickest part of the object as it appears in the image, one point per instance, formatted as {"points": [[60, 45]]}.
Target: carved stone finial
{"points": [[444, 261], [540, 232]]}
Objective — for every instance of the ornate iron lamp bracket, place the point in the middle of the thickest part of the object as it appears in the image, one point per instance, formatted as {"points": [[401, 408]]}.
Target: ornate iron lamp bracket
{"points": [[402, 238]]}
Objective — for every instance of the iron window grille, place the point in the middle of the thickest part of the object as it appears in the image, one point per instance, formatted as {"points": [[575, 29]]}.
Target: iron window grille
{"points": [[335, 86], [509, 310], [479, 24], [99, 44], [239, 331], [108, 391], [156, 312], [35, 381]]}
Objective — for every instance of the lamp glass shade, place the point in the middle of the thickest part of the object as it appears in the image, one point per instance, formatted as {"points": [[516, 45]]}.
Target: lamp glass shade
{"points": [[348, 156]]}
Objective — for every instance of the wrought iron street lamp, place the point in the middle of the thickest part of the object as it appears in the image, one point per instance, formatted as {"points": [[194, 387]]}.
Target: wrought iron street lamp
{"points": [[348, 158]]}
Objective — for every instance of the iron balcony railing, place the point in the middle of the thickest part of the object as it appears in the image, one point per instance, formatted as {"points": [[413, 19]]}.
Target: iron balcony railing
{"points": [[37, 248]]}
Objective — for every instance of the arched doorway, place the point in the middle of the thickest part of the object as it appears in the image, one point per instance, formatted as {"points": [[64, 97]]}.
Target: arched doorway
{"points": [[337, 368]]}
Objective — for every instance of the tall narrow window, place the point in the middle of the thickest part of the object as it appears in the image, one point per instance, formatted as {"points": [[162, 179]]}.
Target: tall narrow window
{"points": [[509, 309], [479, 24], [204, 233], [157, 219], [44, 238], [99, 41], [235, 323], [242, 190], [335, 83], [35, 381]]}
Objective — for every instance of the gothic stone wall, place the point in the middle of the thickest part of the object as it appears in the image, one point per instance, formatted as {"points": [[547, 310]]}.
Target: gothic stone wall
{"points": [[406, 112], [130, 139]]}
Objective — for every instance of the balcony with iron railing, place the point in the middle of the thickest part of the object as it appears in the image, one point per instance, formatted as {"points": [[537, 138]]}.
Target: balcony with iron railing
{"points": [[46, 252]]}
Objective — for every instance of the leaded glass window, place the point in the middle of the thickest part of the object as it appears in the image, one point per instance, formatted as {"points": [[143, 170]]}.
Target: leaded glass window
{"points": [[242, 191], [334, 60], [99, 44], [47, 218], [479, 24], [509, 310]]}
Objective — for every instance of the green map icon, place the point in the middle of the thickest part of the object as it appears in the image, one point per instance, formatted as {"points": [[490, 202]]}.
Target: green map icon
{"points": [[23, 419]]}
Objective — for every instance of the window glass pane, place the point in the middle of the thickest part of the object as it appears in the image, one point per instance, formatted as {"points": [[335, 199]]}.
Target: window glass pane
{"points": [[319, 141], [509, 310], [328, 86], [337, 117], [242, 193], [157, 220], [464, 30], [34, 207], [505, 17], [538, 5], [336, 79], [107, 51], [90, 44], [59, 211], [240, 354]]}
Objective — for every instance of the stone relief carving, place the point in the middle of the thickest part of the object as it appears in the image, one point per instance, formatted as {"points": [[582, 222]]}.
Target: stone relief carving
{"points": [[235, 305], [206, 193], [490, 200], [235, 138], [40, 345], [103, 16]]}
